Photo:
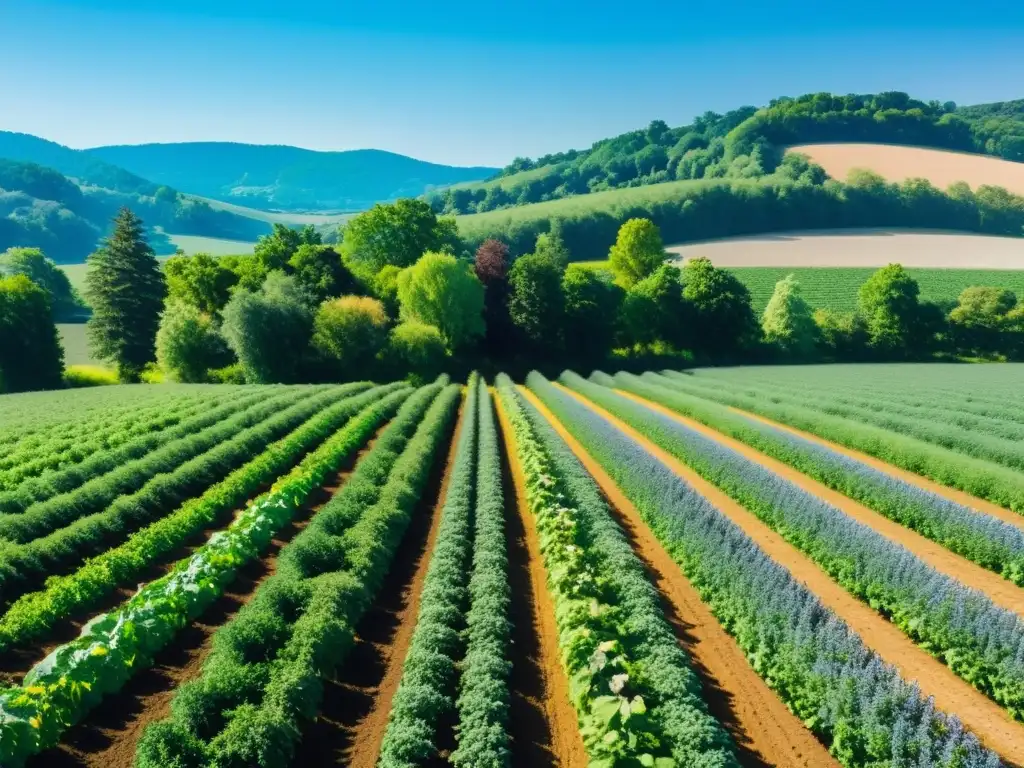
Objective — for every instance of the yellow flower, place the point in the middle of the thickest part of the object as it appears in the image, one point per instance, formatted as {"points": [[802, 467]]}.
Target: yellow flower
{"points": [[98, 650], [35, 722], [37, 689]]}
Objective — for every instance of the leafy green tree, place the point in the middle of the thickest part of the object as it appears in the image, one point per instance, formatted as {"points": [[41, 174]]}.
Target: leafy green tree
{"points": [[442, 291], [348, 332], [654, 310], [320, 271], [248, 271], [491, 266], [889, 302], [417, 351], [841, 335], [637, 252], [32, 262], [788, 320], [31, 356], [385, 288], [268, 330], [125, 288], [551, 246], [200, 281], [981, 318], [275, 250], [393, 233], [536, 305], [723, 322], [188, 343], [592, 304]]}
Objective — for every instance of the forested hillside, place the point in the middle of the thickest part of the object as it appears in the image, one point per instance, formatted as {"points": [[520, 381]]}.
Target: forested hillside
{"points": [[744, 143]]}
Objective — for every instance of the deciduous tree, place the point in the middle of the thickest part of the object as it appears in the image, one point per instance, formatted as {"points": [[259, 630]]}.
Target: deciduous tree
{"points": [[787, 320], [889, 302], [31, 356], [417, 351], [348, 332], [592, 303], [536, 305], [723, 321], [637, 252], [200, 281], [32, 262], [188, 343], [442, 291]]}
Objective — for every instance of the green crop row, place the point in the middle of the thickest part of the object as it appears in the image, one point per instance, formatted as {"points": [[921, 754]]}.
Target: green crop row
{"points": [[484, 699], [74, 678], [263, 680], [33, 614], [23, 566], [426, 692], [637, 700]]}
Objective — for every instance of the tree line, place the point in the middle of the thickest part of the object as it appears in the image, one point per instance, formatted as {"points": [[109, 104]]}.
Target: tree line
{"points": [[402, 296]]}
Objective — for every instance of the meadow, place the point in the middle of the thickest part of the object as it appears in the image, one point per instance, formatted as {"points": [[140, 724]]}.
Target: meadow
{"points": [[488, 573]]}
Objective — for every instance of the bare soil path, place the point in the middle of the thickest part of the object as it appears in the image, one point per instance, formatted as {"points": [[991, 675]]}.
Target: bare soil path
{"points": [[952, 494], [765, 731], [1002, 592], [354, 714], [566, 748], [990, 722]]}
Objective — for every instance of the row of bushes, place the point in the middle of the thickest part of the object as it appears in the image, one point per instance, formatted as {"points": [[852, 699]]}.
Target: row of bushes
{"points": [[75, 677], [999, 485], [263, 680], [985, 540], [853, 701], [977, 639], [635, 695], [23, 566], [33, 614]]}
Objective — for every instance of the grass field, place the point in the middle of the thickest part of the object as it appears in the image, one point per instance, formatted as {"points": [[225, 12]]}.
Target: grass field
{"points": [[281, 217], [897, 163], [76, 347], [401, 542]]}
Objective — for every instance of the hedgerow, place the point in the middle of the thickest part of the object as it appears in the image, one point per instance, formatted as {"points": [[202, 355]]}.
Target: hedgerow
{"points": [[32, 614], [977, 639], [985, 540], [858, 705], [263, 680], [637, 699], [75, 677]]}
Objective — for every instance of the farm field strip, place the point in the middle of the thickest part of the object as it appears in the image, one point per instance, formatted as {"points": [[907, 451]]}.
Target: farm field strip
{"points": [[635, 694], [25, 564], [993, 482], [977, 639], [995, 542], [764, 730], [791, 619], [73, 679], [33, 614], [301, 623]]}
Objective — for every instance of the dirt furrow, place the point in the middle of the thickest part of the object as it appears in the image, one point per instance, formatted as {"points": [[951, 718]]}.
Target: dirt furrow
{"points": [[765, 731], [566, 745], [354, 713], [952, 494], [990, 722], [1002, 592]]}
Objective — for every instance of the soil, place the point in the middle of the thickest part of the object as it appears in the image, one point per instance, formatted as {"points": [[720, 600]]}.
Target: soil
{"points": [[1002, 592], [991, 723], [954, 495], [558, 737], [765, 731], [354, 713], [107, 738]]}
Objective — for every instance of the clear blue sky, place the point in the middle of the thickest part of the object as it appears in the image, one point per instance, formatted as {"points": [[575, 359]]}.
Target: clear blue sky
{"points": [[465, 82]]}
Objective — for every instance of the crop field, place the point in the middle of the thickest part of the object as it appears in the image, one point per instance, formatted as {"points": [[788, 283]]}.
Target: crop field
{"points": [[791, 566]]}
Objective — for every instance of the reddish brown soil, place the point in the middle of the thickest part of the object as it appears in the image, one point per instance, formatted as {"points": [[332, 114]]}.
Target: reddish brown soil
{"points": [[354, 713], [990, 722], [107, 738], [1002, 592], [765, 731], [566, 745]]}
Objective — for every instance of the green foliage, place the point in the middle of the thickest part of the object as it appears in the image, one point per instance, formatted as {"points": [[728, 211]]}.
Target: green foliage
{"points": [[76, 376], [385, 288], [125, 288], [442, 291], [275, 250], [393, 234], [200, 281], [187, 343], [721, 309], [788, 321], [320, 271], [888, 301], [32, 262], [988, 320], [30, 353], [417, 351], [349, 332], [536, 305], [269, 330], [637, 253], [654, 311], [841, 335], [550, 246], [592, 306]]}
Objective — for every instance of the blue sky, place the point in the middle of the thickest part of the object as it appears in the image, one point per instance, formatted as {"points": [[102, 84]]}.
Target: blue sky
{"points": [[471, 83]]}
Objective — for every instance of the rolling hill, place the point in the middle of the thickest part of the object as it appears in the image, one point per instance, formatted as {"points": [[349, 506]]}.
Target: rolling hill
{"points": [[285, 178]]}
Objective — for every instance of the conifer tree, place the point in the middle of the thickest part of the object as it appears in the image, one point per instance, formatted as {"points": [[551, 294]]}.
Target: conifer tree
{"points": [[125, 288]]}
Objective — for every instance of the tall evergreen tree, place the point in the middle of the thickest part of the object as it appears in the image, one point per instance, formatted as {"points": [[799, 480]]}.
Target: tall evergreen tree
{"points": [[125, 288]]}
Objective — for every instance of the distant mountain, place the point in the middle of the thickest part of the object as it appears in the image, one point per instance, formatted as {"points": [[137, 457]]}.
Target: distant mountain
{"points": [[283, 177]]}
